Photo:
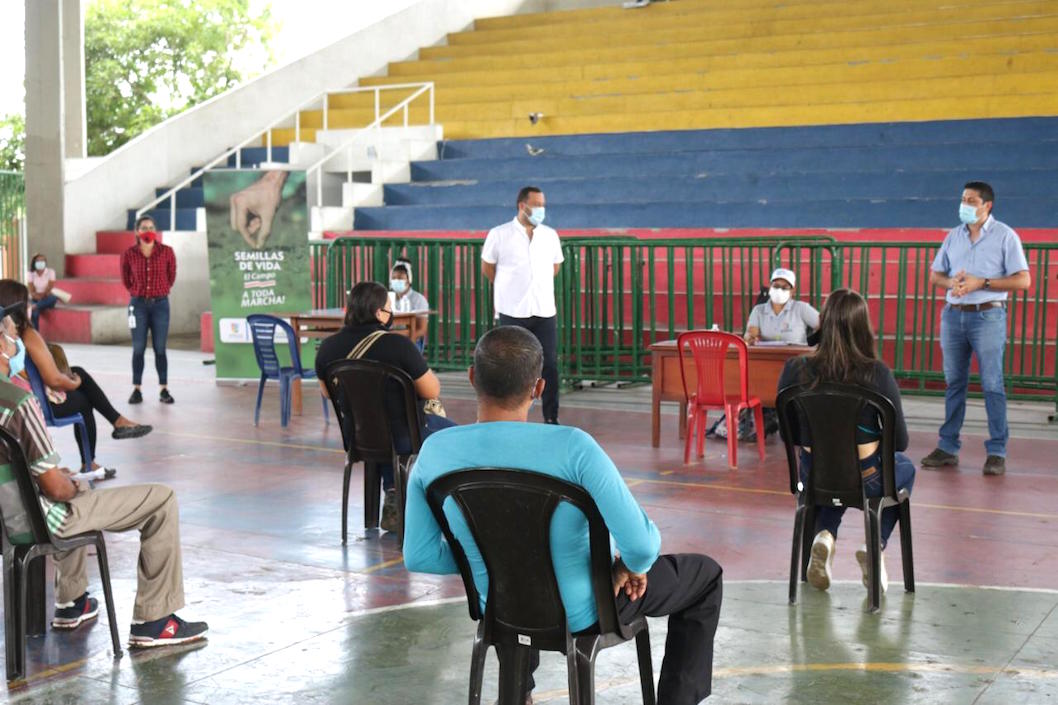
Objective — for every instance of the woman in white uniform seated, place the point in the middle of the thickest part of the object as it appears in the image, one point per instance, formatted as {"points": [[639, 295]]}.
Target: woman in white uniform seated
{"points": [[780, 319], [408, 300]]}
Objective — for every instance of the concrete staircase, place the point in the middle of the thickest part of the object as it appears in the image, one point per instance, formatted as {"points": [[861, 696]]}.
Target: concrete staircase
{"points": [[98, 311]]}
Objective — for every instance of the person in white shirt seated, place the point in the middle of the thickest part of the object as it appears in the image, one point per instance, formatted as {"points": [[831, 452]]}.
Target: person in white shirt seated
{"points": [[781, 318], [408, 300]]}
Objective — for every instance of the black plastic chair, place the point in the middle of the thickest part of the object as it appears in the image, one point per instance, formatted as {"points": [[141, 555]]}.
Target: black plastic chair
{"points": [[25, 539], [824, 418], [359, 390], [509, 516]]}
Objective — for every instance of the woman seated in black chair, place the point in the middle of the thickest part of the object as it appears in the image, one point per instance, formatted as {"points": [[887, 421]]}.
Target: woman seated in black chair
{"points": [[70, 391], [368, 316], [846, 355]]}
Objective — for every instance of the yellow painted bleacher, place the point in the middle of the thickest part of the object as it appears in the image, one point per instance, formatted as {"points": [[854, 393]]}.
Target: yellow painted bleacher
{"points": [[691, 64]]}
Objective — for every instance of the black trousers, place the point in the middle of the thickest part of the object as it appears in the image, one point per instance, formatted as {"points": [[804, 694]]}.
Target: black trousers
{"points": [[546, 331], [687, 588], [84, 400]]}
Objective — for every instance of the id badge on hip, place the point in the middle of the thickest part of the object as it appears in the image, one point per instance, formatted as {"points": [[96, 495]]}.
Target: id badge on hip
{"points": [[132, 318]]}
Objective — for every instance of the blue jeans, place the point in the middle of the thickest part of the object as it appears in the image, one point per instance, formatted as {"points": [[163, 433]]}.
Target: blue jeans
{"points": [[432, 423], [829, 518], [152, 315], [47, 302], [983, 333]]}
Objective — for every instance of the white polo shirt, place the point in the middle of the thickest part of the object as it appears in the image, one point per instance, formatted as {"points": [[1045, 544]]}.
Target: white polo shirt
{"points": [[525, 270]]}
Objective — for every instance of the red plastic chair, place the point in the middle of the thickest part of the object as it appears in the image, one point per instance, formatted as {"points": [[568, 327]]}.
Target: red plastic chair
{"points": [[709, 350]]}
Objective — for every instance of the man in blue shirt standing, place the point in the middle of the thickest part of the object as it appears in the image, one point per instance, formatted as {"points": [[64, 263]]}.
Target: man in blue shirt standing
{"points": [[978, 263], [508, 362]]}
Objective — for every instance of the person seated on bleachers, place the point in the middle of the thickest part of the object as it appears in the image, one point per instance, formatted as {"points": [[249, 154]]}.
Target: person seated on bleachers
{"points": [[846, 354], [42, 279], [508, 363], [69, 392], [782, 318], [368, 317], [408, 300], [72, 508]]}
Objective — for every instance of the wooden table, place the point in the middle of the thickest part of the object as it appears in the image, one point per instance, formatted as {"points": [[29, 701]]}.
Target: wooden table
{"points": [[325, 322], [765, 366]]}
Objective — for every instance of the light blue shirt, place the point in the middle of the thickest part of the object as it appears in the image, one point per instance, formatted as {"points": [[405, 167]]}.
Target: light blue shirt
{"points": [[996, 254], [559, 451], [790, 325]]}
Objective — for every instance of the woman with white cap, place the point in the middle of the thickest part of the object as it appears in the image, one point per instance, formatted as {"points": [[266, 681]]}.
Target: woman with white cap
{"points": [[408, 300], [782, 318]]}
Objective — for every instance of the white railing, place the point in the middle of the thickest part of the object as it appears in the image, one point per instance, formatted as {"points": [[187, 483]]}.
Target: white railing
{"points": [[170, 195], [373, 129]]}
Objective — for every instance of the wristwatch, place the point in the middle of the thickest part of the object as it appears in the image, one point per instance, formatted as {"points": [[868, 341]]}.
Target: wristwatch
{"points": [[988, 283]]}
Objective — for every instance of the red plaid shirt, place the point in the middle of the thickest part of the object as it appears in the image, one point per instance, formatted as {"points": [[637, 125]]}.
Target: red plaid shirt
{"points": [[149, 277]]}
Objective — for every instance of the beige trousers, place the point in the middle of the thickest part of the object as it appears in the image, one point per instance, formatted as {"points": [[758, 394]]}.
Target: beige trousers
{"points": [[152, 510]]}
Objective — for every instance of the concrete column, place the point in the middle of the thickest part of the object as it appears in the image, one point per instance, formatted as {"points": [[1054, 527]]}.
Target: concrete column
{"points": [[73, 79], [45, 128]]}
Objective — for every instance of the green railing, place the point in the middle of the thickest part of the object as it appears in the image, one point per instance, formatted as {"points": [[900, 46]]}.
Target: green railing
{"points": [[894, 277], [12, 223], [616, 296]]}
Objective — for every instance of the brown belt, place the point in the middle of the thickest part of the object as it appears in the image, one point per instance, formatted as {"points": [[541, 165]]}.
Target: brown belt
{"points": [[979, 307]]}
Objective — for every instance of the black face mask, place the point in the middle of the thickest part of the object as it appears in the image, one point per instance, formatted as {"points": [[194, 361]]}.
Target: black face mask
{"points": [[389, 322]]}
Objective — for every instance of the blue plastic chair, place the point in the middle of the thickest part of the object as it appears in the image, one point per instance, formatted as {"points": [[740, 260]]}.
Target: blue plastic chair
{"points": [[37, 384], [263, 330]]}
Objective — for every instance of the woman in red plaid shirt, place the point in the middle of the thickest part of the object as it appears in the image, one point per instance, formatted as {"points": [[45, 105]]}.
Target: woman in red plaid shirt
{"points": [[148, 270]]}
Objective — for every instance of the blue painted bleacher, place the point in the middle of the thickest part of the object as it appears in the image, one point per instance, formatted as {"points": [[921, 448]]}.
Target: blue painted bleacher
{"points": [[894, 175]]}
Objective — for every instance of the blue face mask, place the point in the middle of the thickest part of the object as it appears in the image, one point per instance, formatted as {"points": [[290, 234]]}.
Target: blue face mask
{"points": [[967, 214], [398, 286], [17, 361], [536, 215]]}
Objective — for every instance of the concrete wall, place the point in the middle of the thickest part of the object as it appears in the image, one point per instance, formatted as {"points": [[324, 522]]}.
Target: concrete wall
{"points": [[99, 196]]}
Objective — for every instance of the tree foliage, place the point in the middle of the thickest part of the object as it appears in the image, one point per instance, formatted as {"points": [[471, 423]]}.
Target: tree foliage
{"points": [[147, 60], [12, 142]]}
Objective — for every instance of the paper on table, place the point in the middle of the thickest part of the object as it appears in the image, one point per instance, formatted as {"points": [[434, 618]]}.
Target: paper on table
{"points": [[771, 343]]}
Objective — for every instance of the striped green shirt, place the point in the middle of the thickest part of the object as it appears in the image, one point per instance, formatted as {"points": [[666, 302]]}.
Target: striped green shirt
{"points": [[20, 416]]}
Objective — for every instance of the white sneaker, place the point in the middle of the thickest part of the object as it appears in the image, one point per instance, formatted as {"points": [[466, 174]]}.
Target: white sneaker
{"points": [[862, 559], [632, 4], [821, 560]]}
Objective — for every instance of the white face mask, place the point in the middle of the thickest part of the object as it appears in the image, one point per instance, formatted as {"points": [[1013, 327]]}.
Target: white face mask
{"points": [[779, 296]]}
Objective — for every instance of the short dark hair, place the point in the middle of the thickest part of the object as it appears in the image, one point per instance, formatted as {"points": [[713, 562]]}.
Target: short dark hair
{"points": [[15, 292], [983, 190], [523, 195], [364, 300], [507, 362], [143, 218]]}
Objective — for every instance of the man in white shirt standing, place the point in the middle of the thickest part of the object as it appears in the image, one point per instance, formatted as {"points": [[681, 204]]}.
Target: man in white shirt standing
{"points": [[521, 259]]}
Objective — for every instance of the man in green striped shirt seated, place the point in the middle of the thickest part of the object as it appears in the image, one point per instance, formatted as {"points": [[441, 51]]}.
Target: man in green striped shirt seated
{"points": [[71, 507]]}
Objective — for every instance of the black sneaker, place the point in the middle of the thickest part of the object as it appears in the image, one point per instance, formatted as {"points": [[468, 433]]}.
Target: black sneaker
{"points": [[552, 422], [995, 465], [137, 431], [84, 609], [165, 397], [166, 631], [939, 458], [390, 521], [136, 397]]}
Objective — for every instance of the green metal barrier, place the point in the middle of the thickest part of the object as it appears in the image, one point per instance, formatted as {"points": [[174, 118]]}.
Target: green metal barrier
{"points": [[12, 220], [616, 296], [894, 277]]}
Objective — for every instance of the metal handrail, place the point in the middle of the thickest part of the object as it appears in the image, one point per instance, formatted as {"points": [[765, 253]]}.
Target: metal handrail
{"points": [[346, 147], [170, 195]]}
